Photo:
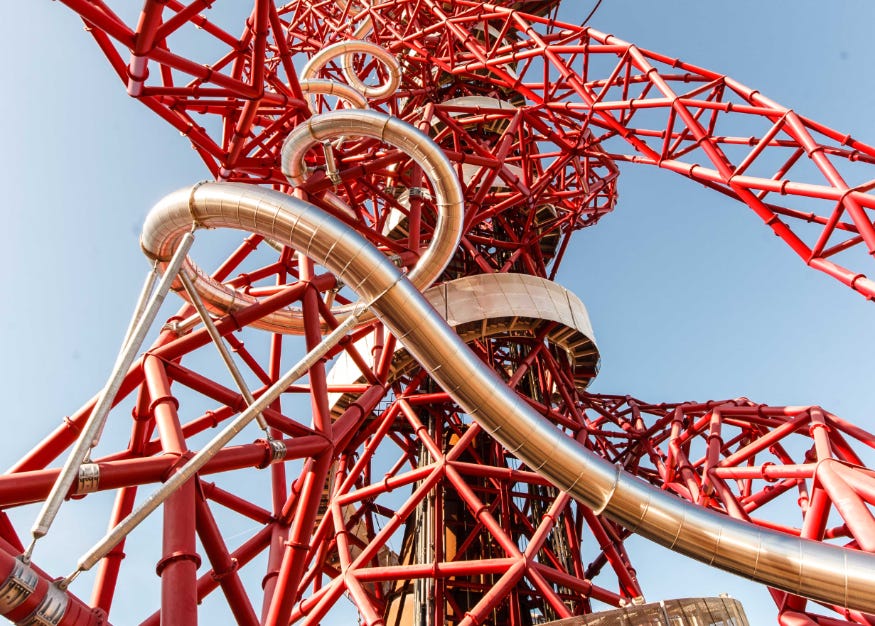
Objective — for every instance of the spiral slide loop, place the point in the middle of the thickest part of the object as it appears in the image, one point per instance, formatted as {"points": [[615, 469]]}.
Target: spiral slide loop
{"points": [[448, 195], [318, 86], [418, 146], [347, 49]]}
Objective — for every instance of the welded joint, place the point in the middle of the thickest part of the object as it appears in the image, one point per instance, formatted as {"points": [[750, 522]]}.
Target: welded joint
{"points": [[764, 469], [168, 399], [607, 497], [297, 546], [818, 425], [17, 587], [89, 478], [71, 425], [178, 463], [50, 610], [219, 576], [180, 326], [192, 209]]}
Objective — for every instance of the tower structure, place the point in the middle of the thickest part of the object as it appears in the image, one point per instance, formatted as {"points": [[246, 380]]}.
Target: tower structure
{"points": [[458, 144]]}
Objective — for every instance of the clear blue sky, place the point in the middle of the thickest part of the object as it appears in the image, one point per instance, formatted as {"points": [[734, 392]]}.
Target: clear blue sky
{"points": [[690, 296]]}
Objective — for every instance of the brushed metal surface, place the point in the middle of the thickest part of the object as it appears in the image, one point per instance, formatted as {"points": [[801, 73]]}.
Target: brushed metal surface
{"points": [[816, 570], [487, 305]]}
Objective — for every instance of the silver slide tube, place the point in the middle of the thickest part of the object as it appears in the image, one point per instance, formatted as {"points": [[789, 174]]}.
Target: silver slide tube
{"points": [[449, 203], [819, 571], [347, 49], [314, 86], [449, 200], [94, 425]]}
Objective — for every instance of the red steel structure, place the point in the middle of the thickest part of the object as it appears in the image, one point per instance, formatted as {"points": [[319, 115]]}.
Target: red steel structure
{"points": [[371, 491]]}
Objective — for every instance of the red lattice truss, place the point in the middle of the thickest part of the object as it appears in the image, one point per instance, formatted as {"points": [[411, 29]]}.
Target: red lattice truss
{"points": [[534, 115]]}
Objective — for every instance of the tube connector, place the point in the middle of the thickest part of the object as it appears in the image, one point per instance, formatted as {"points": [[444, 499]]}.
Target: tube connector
{"points": [[50, 610], [17, 587], [89, 478], [275, 452]]}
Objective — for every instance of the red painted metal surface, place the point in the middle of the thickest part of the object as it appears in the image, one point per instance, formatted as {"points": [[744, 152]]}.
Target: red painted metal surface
{"points": [[396, 502]]}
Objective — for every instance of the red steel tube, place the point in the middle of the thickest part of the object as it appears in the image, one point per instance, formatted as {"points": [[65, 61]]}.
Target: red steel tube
{"points": [[108, 570], [853, 510], [27, 591], [28, 487], [297, 544], [224, 567], [179, 564], [163, 407]]}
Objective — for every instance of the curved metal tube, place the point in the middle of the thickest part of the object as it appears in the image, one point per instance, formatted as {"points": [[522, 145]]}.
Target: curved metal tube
{"points": [[448, 196], [320, 86], [820, 571], [362, 30], [449, 203], [347, 49]]}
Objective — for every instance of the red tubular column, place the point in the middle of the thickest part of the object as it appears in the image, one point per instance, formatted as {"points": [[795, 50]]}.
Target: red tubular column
{"points": [[792, 618], [298, 542], [163, 407], [107, 573], [224, 566], [279, 494], [852, 508], [178, 566]]}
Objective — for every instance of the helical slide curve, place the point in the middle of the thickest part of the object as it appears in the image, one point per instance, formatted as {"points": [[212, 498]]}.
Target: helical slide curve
{"points": [[433, 312], [815, 570]]}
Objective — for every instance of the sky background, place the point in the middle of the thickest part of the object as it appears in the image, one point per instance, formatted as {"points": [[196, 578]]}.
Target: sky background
{"points": [[690, 296]]}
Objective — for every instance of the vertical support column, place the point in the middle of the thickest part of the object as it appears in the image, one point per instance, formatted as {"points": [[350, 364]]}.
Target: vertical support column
{"points": [[279, 495], [224, 565], [107, 575], [424, 587], [298, 543], [178, 567], [180, 561], [163, 407]]}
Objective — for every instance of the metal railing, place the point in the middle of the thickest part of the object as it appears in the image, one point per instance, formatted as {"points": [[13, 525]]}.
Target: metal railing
{"points": [[682, 612]]}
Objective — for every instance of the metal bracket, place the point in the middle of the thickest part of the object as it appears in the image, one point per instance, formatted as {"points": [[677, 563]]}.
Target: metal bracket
{"points": [[277, 450], [331, 163], [17, 587], [89, 478], [418, 192], [51, 609]]}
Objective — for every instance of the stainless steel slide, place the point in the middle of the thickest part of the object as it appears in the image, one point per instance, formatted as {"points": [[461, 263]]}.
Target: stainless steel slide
{"points": [[819, 571]]}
